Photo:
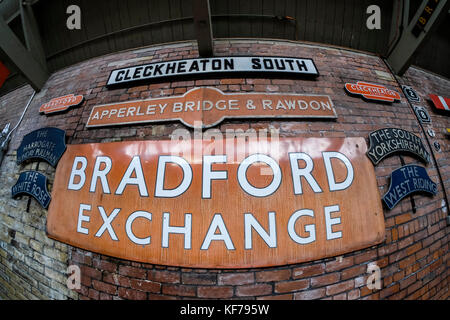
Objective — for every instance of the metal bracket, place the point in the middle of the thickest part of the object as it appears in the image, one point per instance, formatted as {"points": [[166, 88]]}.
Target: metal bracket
{"points": [[401, 55], [29, 59]]}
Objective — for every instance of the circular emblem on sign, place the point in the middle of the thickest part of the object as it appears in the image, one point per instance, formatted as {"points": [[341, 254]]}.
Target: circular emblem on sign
{"points": [[410, 94], [431, 133]]}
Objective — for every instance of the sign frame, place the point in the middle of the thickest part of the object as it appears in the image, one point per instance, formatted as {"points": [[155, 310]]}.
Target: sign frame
{"points": [[41, 183], [212, 73], [56, 140], [426, 157], [389, 98], [69, 204], [396, 175], [332, 114], [47, 108]]}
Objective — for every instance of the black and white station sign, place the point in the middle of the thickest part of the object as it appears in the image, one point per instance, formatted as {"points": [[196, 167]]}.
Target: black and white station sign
{"points": [[220, 66]]}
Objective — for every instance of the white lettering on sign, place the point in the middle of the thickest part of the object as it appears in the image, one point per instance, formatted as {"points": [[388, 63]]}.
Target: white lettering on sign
{"points": [[250, 223]]}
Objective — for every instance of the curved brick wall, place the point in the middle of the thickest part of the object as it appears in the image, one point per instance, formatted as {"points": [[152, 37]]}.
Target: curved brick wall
{"points": [[413, 258]]}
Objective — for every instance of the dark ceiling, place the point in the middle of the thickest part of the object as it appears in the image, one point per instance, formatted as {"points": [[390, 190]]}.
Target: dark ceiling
{"points": [[114, 25]]}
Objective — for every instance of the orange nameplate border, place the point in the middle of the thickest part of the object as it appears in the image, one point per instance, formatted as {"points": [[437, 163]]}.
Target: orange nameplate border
{"points": [[232, 205], [206, 107]]}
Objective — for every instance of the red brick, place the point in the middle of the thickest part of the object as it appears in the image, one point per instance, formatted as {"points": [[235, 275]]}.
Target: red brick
{"points": [[435, 264], [422, 253], [154, 86], [407, 282], [216, 292], [406, 262], [104, 265], [310, 294], [339, 264], [308, 271], [387, 281], [365, 256], [93, 294], [253, 290], [405, 242], [324, 280], [364, 291], [137, 89], [152, 296], [90, 272], [412, 268], [116, 279], [353, 272], [104, 287], [105, 296], [397, 256], [399, 275], [85, 280], [132, 272], [394, 232], [283, 81], [145, 285], [81, 258], [382, 263], [341, 296], [387, 249], [290, 286], [403, 218], [340, 287], [236, 278], [414, 248], [179, 91], [198, 278], [163, 276], [258, 81], [384, 293], [277, 297], [275, 275], [354, 294], [232, 81], [179, 290], [398, 296], [131, 294]]}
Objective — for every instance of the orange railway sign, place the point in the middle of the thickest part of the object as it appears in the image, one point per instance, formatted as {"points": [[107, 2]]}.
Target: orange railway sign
{"points": [[260, 203], [61, 103], [206, 107], [372, 91]]}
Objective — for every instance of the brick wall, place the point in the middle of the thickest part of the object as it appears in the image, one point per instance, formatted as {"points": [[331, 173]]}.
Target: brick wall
{"points": [[413, 258]]}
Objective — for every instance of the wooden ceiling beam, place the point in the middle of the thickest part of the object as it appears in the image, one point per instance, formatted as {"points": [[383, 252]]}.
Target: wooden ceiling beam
{"points": [[203, 27]]}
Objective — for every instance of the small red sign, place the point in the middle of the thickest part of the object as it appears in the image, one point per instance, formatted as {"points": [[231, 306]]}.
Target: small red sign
{"points": [[372, 91], [4, 73], [61, 103], [440, 102]]}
